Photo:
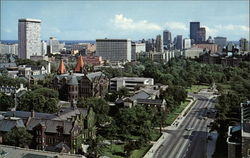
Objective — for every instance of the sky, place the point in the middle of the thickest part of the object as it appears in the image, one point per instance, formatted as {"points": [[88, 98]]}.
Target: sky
{"points": [[90, 20]]}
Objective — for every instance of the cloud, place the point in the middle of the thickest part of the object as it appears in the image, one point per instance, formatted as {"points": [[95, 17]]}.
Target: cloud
{"points": [[211, 31], [176, 26], [232, 27], [124, 23]]}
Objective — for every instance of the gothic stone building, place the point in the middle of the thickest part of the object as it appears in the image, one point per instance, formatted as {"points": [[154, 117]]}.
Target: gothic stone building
{"points": [[72, 86]]}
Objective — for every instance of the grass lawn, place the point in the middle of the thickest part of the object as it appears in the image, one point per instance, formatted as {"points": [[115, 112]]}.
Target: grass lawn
{"points": [[174, 114], [196, 88], [140, 153], [115, 151]]}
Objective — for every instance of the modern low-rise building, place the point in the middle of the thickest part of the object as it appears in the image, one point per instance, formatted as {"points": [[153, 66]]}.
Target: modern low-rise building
{"points": [[129, 82]]}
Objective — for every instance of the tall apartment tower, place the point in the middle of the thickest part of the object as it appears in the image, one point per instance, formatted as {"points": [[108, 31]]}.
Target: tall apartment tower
{"points": [[158, 44], [29, 42], [114, 49], [244, 45], [167, 40], [194, 27], [43, 48], [201, 35], [179, 44]]}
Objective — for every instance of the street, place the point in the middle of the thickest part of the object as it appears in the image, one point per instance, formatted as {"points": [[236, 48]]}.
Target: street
{"points": [[189, 138]]}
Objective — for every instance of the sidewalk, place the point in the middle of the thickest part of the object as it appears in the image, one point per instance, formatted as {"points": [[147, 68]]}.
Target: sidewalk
{"points": [[158, 143]]}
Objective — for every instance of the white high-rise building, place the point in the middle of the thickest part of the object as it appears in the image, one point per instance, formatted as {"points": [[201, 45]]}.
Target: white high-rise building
{"points": [[114, 49], [29, 42], [54, 45], [137, 48], [186, 43], [43, 48]]}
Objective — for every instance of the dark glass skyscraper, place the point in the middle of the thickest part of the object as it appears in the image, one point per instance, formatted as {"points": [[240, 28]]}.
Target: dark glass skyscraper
{"points": [[194, 27], [179, 42], [167, 40], [201, 35]]}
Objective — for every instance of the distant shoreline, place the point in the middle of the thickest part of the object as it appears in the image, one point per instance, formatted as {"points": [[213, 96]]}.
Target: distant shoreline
{"points": [[67, 42]]}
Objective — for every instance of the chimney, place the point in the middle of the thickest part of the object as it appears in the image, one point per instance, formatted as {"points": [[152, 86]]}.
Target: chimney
{"points": [[33, 114]]}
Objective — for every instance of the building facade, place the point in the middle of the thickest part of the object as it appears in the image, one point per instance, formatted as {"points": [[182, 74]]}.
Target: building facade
{"points": [[114, 49], [201, 35], [137, 48], [129, 82], [179, 44], [244, 45], [29, 42], [221, 42], [167, 39], [158, 44], [194, 27], [186, 43]]}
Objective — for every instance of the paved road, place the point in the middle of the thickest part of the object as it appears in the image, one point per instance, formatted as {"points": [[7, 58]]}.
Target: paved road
{"points": [[181, 143]]}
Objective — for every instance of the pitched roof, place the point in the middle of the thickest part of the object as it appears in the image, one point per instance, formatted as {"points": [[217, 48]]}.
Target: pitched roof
{"points": [[79, 64], [51, 125], [61, 69], [9, 123]]}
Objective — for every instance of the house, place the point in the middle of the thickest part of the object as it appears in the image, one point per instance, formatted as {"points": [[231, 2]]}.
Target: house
{"points": [[63, 131]]}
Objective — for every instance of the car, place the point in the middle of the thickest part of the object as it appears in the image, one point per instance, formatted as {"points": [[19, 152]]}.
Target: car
{"points": [[189, 129]]}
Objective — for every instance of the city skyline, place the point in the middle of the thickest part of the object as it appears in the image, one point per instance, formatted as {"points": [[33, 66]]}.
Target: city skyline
{"points": [[85, 20]]}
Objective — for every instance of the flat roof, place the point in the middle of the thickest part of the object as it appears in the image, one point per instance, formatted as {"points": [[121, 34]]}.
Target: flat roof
{"points": [[132, 78], [118, 40], [30, 20]]}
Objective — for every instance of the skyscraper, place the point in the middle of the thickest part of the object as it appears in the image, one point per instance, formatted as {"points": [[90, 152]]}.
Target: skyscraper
{"points": [[201, 35], [167, 40], [54, 45], [114, 49], [29, 42], [179, 44], [244, 44], [194, 27], [43, 48], [158, 44]]}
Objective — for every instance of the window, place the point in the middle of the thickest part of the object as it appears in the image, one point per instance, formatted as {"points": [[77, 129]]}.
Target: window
{"points": [[248, 152]]}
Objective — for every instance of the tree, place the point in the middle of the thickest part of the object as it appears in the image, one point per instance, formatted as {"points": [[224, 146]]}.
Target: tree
{"points": [[40, 100], [6, 102], [123, 92], [96, 146], [18, 137], [100, 107]]}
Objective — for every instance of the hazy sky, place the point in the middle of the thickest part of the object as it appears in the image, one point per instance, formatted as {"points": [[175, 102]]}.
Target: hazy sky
{"points": [[88, 20]]}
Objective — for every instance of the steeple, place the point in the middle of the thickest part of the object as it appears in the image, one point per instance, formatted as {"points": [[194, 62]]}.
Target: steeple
{"points": [[61, 69], [79, 65]]}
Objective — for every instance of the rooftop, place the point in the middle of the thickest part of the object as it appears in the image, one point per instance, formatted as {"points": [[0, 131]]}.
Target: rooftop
{"points": [[30, 20], [132, 78]]}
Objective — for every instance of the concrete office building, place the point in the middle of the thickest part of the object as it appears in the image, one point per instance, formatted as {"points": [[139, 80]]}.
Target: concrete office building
{"points": [[9, 49], [193, 53], [201, 35], [54, 45], [158, 44], [167, 39], [129, 82], [179, 44], [137, 48], [186, 43], [29, 38], [194, 27], [220, 41], [114, 49]]}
